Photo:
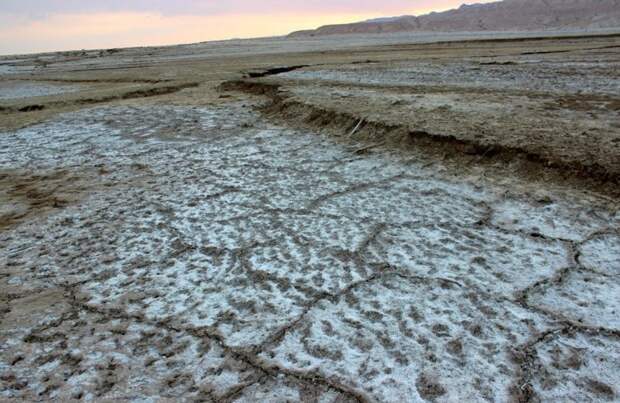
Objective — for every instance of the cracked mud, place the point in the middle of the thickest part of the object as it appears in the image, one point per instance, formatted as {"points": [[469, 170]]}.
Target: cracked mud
{"points": [[249, 262], [206, 253]]}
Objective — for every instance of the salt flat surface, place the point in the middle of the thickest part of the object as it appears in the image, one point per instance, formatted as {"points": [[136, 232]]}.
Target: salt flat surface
{"points": [[528, 74], [211, 255], [102, 59], [28, 89]]}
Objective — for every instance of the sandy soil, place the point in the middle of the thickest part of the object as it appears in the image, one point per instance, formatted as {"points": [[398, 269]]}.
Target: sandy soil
{"points": [[404, 222]]}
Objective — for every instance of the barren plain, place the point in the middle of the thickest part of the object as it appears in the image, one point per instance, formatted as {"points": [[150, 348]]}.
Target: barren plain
{"points": [[381, 218]]}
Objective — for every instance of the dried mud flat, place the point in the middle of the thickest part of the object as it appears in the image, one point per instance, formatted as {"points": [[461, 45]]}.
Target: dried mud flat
{"points": [[412, 222]]}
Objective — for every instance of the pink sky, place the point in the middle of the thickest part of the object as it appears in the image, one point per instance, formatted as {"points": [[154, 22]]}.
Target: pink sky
{"points": [[28, 26]]}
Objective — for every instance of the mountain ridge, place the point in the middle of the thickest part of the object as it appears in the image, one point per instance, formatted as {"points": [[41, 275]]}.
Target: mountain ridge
{"points": [[506, 15]]}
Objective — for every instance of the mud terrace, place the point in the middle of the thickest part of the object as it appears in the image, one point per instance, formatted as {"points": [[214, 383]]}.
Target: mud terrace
{"points": [[172, 249]]}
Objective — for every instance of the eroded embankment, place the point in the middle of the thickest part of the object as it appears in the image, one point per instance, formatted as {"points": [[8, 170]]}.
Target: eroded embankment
{"points": [[285, 108], [139, 93]]}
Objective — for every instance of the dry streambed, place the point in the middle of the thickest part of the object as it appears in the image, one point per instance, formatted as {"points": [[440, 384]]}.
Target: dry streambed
{"points": [[202, 252]]}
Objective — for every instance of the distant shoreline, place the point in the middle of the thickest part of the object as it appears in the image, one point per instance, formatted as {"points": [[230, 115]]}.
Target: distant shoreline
{"points": [[356, 39]]}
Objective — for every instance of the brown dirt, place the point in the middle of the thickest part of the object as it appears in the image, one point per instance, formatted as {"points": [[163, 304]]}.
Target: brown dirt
{"points": [[27, 195], [428, 388], [34, 195]]}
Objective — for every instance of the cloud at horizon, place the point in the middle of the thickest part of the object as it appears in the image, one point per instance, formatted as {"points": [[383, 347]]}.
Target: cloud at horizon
{"points": [[45, 25]]}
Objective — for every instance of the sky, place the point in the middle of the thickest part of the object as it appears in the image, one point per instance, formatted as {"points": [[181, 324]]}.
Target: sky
{"points": [[29, 26]]}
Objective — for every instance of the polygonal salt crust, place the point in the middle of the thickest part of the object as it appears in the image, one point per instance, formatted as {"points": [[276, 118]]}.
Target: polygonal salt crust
{"points": [[245, 291], [206, 287], [198, 214], [492, 260], [405, 200], [85, 241], [295, 190], [109, 134], [586, 297], [602, 254], [203, 224], [564, 219], [173, 123], [313, 270], [65, 142], [282, 389], [578, 367], [90, 356], [399, 339], [325, 231], [233, 233], [370, 168]]}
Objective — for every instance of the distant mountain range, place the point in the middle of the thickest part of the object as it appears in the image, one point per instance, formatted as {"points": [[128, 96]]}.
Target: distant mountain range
{"points": [[507, 15]]}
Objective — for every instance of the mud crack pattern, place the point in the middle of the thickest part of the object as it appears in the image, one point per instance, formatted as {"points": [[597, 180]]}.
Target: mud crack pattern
{"points": [[201, 253]]}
